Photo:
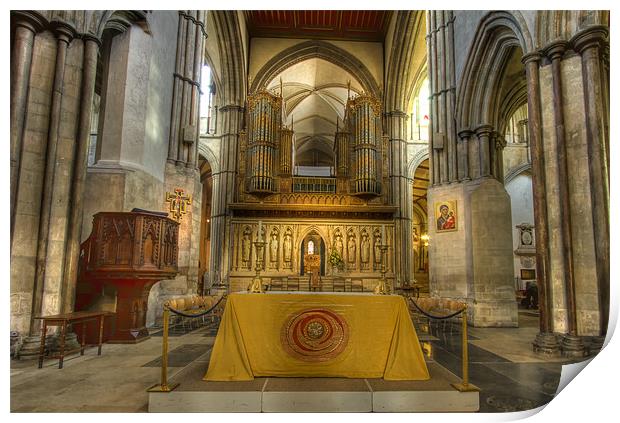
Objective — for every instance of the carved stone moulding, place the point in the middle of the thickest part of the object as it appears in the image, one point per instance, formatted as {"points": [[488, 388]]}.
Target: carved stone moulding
{"points": [[323, 214]]}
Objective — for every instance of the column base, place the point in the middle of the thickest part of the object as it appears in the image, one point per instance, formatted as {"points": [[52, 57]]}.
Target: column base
{"points": [[29, 349], [546, 343], [596, 344], [573, 347], [71, 342]]}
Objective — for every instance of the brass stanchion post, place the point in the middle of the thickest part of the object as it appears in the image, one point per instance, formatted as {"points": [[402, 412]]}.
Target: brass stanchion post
{"points": [[163, 386], [465, 386]]}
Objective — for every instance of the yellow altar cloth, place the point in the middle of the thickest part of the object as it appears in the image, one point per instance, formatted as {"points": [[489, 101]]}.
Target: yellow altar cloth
{"points": [[316, 335]]}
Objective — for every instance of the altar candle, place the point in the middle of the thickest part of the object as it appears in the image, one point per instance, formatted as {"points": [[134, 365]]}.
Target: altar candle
{"points": [[260, 230], [382, 234]]}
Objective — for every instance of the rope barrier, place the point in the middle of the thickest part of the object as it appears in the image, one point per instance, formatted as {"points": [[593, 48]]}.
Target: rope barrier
{"points": [[199, 314], [464, 386], [430, 316], [164, 386]]}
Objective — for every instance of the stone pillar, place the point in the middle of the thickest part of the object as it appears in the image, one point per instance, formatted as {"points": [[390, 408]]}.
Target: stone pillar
{"points": [[224, 190], [433, 159], [545, 341], [442, 77], [463, 155], [483, 133], [64, 34], [400, 192], [89, 73], [26, 26], [572, 345], [185, 121], [590, 43], [500, 143]]}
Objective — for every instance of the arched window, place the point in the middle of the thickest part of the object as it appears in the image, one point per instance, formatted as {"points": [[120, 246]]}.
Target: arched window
{"points": [[208, 109], [420, 113]]}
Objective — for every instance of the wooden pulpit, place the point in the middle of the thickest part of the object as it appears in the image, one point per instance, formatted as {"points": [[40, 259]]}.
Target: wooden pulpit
{"points": [[124, 256]]}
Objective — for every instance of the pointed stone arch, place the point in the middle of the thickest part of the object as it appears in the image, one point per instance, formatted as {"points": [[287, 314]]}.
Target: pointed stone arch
{"points": [[405, 67], [496, 37], [321, 50]]}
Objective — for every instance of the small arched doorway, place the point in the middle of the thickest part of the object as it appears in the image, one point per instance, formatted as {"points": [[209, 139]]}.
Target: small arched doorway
{"points": [[312, 244]]}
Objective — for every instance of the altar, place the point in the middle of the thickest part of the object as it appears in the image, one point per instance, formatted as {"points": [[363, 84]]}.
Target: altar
{"points": [[316, 335]]}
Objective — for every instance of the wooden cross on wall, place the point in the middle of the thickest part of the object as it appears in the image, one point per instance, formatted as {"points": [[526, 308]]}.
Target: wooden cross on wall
{"points": [[178, 203]]}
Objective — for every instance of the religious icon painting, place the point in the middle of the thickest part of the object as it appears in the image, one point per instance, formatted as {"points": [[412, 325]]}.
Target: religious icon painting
{"points": [[446, 216]]}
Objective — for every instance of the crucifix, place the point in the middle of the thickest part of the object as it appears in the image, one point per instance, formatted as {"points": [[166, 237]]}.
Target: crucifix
{"points": [[178, 203]]}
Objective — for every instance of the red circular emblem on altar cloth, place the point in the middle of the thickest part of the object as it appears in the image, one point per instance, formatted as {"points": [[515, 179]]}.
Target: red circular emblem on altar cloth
{"points": [[315, 334]]}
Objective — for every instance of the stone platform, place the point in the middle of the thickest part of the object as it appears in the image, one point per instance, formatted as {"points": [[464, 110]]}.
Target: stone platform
{"points": [[270, 394]]}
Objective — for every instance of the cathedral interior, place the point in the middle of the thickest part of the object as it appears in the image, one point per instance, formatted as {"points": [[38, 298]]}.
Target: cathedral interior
{"points": [[457, 155]]}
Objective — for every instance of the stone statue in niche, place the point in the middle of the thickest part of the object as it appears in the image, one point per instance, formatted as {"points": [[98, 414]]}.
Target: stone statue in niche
{"points": [[274, 245], [351, 247], [365, 250], [338, 245], [377, 249], [287, 247], [246, 247]]}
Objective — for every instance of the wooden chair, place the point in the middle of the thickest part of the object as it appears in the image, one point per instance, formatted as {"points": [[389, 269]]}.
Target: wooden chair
{"points": [[357, 285], [339, 285], [292, 284], [277, 284]]}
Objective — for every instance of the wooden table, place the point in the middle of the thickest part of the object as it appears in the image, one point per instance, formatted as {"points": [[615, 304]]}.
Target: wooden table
{"points": [[64, 320]]}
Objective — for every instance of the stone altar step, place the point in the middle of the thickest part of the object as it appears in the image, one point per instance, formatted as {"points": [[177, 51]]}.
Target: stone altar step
{"points": [[273, 394]]}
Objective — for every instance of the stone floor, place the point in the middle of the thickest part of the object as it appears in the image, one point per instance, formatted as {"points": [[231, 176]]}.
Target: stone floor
{"points": [[510, 376]]}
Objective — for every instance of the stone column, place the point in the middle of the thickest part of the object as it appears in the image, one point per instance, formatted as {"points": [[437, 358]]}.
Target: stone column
{"points": [[76, 209], [64, 34], [463, 155], [545, 341], [483, 133], [572, 345], [432, 76], [185, 121], [590, 44], [224, 190], [500, 143], [26, 26], [400, 195], [443, 140]]}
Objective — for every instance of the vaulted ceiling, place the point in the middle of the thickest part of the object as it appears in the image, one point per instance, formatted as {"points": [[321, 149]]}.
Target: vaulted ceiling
{"points": [[360, 25], [315, 93]]}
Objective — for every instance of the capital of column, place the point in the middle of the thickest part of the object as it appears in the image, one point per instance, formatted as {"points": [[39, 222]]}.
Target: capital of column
{"points": [[63, 31], [555, 50], [465, 134], [484, 130], [531, 57], [29, 19], [593, 36], [500, 142], [91, 38]]}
